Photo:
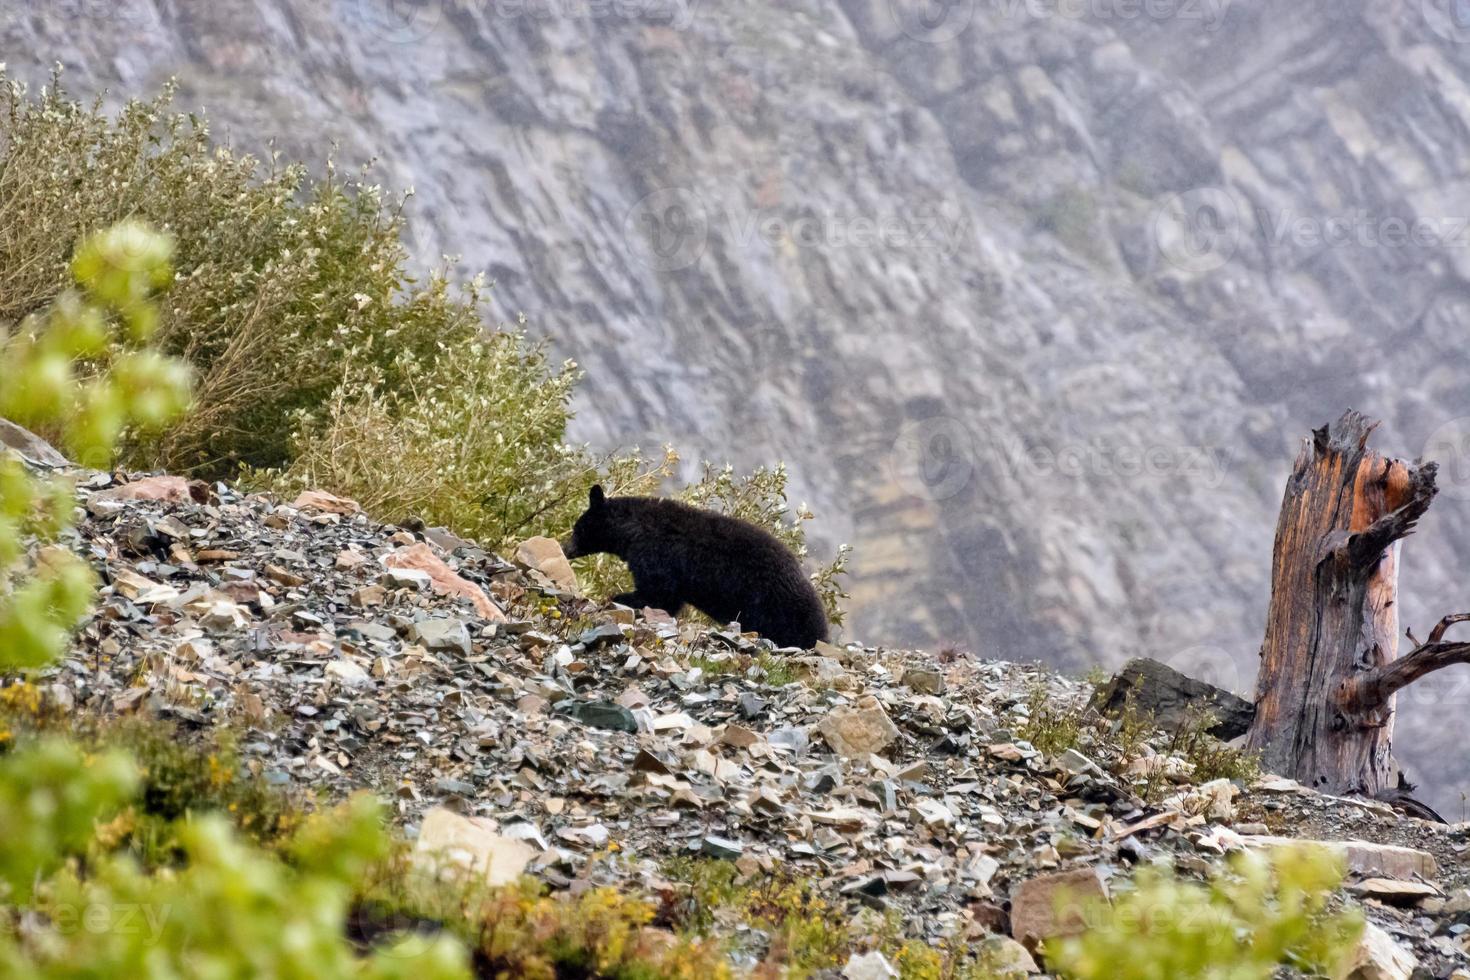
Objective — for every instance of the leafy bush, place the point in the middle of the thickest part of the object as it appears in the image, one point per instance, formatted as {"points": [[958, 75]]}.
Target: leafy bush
{"points": [[279, 277], [227, 909], [473, 438], [114, 271], [1246, 922]]}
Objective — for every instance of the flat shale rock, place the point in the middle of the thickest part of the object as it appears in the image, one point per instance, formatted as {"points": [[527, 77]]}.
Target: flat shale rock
{"points": [[471, 844], [1169, 696], [1379, 957], [860, 730]]}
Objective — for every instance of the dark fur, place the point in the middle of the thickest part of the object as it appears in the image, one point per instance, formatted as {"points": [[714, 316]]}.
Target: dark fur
{"points": [[726, 568]]}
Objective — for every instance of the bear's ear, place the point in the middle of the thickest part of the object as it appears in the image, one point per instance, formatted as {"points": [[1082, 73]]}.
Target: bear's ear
{"points": [[595, 497]]}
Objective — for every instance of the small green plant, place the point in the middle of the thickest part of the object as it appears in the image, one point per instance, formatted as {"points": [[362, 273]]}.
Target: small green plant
{"points": [[1209, 758], [1130, 731], [775, 671], [1052, 728], [1245, 923]]}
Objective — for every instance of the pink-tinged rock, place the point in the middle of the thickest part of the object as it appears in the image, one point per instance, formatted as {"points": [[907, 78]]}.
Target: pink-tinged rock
{"points": [[320, 500], [545, 556], [171, 489], [1054, 906], [443, 579]]}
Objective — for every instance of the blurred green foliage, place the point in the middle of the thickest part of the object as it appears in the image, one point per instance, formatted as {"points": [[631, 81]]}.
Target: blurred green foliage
{"points": [[1252, 918]]}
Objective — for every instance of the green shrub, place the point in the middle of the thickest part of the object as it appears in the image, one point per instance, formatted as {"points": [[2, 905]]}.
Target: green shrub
{"points": [[42, 595], [1249, 920], [473, 439], [278, 276]]}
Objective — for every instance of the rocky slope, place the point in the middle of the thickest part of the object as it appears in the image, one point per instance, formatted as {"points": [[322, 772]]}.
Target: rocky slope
{"points": [[1036, 304], [551, 735]]}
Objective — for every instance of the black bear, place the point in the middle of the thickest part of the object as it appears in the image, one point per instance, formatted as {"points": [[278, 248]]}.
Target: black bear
{"points": [[726, 568]]}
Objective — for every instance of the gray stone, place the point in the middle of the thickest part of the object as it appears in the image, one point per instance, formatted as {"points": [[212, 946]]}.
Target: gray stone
{"points": [[1161, 691], [405, 578], [442, 634], [722, 848], [924, 680], [600, 714], [30, 447]]}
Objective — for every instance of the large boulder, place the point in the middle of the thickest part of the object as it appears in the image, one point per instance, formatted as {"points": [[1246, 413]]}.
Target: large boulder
{"points": [[1161, 691]]}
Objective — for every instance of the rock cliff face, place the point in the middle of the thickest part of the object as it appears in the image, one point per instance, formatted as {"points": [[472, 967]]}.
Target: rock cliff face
{"points": [[1036, 296]]}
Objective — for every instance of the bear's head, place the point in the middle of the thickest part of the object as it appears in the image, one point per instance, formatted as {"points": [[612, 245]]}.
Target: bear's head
{"points": [[593, 533]]}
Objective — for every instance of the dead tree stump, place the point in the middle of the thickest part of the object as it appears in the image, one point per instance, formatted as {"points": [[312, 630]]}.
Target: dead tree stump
{"points": [[1329, 663]]}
